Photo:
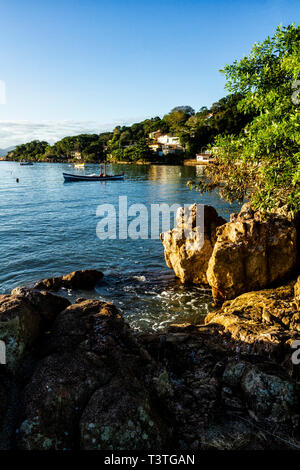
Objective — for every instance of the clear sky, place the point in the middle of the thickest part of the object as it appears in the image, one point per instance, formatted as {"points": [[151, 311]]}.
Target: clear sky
{"points": [[71, 66]]}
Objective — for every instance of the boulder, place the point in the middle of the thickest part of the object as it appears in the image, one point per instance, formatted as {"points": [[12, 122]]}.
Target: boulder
{"points": [[260, 322], [188, 247], [215, 394], [251, 253], [19, 327], [55, 398], [94, 369], [119, 416], [85, 279], [47, 304], [23, 316], [91, 383]]}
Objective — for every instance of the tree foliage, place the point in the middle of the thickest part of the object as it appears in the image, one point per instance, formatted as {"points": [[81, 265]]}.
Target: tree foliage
{"points": [[262, 163], [30, 151]]}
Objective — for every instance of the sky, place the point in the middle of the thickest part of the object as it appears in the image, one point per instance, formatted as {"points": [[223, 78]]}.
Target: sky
{"points": [[69, 66]]}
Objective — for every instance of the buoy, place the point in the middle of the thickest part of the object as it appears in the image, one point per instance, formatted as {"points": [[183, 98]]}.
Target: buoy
{"points": [[17, 180]]}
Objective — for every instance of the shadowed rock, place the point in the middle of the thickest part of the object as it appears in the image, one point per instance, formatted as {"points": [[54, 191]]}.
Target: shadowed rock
{"points": [[90, 348], [85, 279], [89, 382], [23, 315], [47, 304], [120, 416]]}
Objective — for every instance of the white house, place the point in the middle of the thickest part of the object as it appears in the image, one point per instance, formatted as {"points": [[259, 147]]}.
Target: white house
{"points": [[163, 144], [168, 140]]}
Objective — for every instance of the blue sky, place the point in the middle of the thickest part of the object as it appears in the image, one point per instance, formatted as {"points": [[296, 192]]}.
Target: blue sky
{"points": [[72, 66]]}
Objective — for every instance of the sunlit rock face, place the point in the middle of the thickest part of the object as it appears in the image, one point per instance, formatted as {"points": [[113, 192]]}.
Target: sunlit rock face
{"points": [[265, 321], [251, 253], [189, 246]]}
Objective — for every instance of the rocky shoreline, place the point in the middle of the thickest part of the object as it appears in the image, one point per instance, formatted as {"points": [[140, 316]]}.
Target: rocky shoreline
{"points": [[77, 377]]}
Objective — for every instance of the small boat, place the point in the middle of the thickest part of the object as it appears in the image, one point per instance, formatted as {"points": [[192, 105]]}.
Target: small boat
{"points": [[79, 165], [69, 177], [26, 163]]}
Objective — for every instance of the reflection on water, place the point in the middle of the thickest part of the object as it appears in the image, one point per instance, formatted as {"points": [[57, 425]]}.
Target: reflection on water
{"points": [[48, 228]]}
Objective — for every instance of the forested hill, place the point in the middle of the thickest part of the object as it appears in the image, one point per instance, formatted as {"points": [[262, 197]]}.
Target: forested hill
{"points": [[195, 130]]}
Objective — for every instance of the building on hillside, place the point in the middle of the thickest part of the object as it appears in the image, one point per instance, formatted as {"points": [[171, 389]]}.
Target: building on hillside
{"points": [[205, 156], [169, 140], [76, 154], [163, 144]]}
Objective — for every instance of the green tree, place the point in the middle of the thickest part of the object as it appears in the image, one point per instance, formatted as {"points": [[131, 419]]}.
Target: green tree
{"points": [[262, 163]]}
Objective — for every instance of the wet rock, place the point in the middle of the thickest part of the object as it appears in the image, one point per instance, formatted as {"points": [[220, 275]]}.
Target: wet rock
{"points": [[85, 279], [188, 247], [251, 253]]}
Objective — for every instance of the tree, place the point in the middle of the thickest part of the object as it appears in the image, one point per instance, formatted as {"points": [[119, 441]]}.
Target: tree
{"points": [[262, 163], [30, 151], [188, 110]]}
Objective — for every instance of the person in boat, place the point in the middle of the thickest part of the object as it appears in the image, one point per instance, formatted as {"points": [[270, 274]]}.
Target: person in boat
{"points": [[101, 172]]}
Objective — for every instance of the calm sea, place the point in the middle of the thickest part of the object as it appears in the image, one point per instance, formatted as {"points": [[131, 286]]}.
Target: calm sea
{"points": [[48, 228]]}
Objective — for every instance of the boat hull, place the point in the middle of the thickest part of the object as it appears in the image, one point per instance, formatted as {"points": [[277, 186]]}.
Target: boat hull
{"points": [[69, 177]]}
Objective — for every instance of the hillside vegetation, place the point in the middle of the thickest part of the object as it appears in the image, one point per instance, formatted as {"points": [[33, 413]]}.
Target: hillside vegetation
{"points": [[130, 143]]}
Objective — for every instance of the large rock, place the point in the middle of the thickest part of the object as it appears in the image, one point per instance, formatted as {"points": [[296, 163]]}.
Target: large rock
{"points": [[89, 382], [251, 253], [267, 395], [120, 416], [85, 279], [47, 304], [23, 315], [188, 247], [89, 350]]}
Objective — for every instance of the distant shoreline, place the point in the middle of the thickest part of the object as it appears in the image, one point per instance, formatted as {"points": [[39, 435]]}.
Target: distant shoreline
{"points": [[188, 162]]}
